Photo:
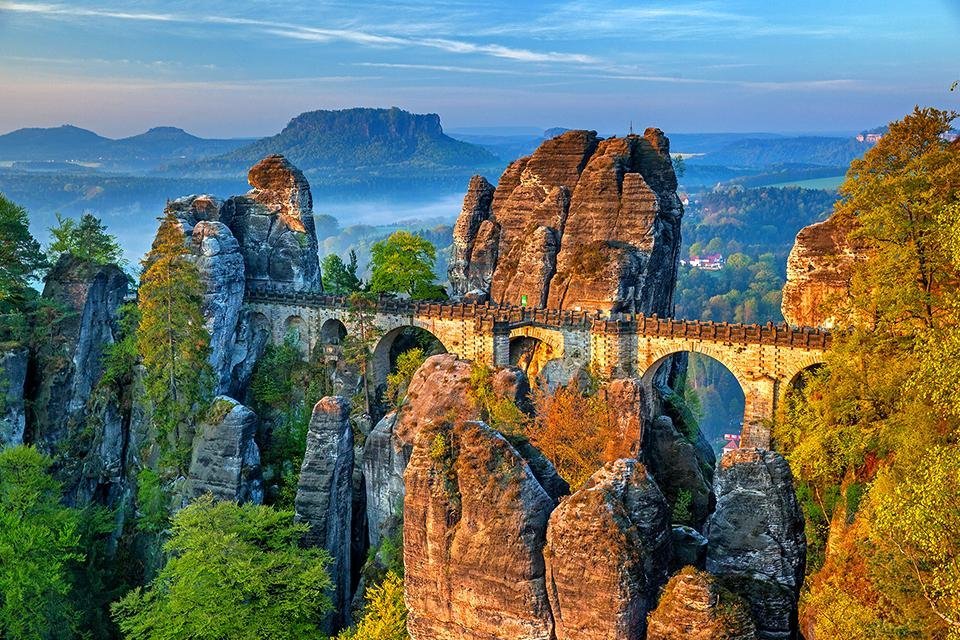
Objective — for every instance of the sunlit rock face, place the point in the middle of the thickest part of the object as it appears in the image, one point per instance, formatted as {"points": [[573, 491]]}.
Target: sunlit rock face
{"points": [[819, 270], [608, 554], [581, 223], [694, 607]]}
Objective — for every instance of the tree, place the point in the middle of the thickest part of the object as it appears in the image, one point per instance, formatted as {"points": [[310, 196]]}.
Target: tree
{"points": [[21, 263], [340, 279], [403, 263], [171, 338], [397, 382], [359, 343], [235, 571], [384, 615], [87, 240], [39, 547]]}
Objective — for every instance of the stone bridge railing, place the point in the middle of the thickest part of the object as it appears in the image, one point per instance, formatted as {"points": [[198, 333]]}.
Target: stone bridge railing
{"points": [[779, 335]]}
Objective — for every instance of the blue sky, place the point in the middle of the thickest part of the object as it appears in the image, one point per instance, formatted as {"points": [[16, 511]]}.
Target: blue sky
{"points": [[245, 67]]}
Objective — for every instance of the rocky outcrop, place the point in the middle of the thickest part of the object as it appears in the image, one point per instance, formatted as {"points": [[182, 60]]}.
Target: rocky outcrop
{"points": [[476, 210], [69, 361], [274, 225], [439, 391], [628, 406], [324, 498], [582, 222], [756, 538], [819, 269], [221, 265], [475, 520], [672, 459], [689, 547], [694, 607], [607, 555], [385, 459], [226, 459], [13, 378]]}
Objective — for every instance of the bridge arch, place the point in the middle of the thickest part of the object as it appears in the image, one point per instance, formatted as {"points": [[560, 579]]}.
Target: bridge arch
{"points": [[531, 347], [295, 326], [388, 347]]}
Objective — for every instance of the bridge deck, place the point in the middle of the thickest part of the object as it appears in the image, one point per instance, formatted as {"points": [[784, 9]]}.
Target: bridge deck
{"points": [[780, 335]]}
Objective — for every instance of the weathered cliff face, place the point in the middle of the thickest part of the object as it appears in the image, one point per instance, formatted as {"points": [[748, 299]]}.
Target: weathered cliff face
{"points": [[221, 265], [629, 405], [607, 555], [226, 459], [583, 222], [819, 269], [274, 225], [694, 607], [68, 363], [756, 538], [673, 461], [13, 378], [476, 208], [475, 520], [324, 498], [266, 237], [385, 459]]}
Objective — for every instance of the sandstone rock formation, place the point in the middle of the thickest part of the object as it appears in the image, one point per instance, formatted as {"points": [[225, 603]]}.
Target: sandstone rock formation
{"points": [[582, 222], [221, 265], [689, 547], [673, 461], [385, 459], [629, 406], [608, 554], [476, 207], [475, 519], [226, 459], [324, 498], [694, 607], [274, 225], [13, 378], [819, 269], [439, 392], [69, 362], [756, 538]]}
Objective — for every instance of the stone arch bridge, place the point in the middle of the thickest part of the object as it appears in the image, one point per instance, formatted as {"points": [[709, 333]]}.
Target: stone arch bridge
{"points": [[765, 359]]}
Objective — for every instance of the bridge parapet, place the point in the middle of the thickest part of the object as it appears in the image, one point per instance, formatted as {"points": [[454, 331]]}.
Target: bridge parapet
{"points": [[780, 335]]}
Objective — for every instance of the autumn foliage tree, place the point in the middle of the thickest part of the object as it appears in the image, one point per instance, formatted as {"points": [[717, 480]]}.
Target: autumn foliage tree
{"points": [[172, 340], [874, 437]]}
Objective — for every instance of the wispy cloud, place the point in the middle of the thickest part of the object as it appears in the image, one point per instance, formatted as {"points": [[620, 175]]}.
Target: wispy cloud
{"points": [[309, 33]]}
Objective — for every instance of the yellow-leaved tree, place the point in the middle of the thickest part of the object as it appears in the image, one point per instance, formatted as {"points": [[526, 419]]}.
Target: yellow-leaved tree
{"points": [[874, 439], [172, 340]]}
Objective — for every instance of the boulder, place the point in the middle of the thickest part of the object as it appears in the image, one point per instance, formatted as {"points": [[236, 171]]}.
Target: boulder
{"points": [[226, 459], [608, 554], [819, 269], [689, 547], [756, 538], [324, 499], [581, 223], [672, 459], [13, 378], [69, 362], [475, 520], [694, 607]]}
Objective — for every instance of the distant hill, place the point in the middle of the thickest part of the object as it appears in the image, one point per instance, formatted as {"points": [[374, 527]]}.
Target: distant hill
{"points": [[760, 153], [353, 144], [67, 143]]}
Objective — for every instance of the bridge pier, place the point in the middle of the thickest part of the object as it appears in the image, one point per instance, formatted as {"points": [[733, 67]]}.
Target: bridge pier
{"points": [[760, 406]]}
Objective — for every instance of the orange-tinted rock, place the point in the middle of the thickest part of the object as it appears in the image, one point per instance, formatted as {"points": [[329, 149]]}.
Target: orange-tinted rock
{"points": [[438, 393], [582, 222], [608, 554], [475, 521], [628, 404], [694, 607], [819, 269]]}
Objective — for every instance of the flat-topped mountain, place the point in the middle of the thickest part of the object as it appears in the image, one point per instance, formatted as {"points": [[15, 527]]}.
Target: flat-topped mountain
{"points": [[366, 140]]}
